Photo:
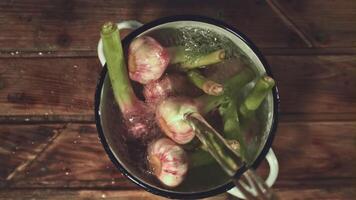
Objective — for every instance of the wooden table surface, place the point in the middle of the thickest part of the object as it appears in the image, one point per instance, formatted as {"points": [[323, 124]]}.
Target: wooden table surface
{"points": [[48, 71]]}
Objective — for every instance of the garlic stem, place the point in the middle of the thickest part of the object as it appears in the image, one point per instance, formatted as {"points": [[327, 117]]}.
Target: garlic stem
{"points": [[208, 86], [254, 99], [123, 92], [186, 61]]}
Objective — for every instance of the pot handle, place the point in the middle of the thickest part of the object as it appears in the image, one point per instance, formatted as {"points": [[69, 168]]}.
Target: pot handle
{"points": [[272, 176], [127, 24]]}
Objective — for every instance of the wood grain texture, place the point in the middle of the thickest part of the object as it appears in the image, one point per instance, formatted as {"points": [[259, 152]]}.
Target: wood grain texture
{"points": [[315, 84], [74, 25], [309, 154], [76, 159], [55, 89], [78, 194], [316, 150], [19, 145], [326, 23], [332, 193], [88, 194], [49, 86], [345, 193]]}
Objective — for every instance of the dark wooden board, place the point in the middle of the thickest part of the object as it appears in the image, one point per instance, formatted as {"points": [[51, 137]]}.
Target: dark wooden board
{"points": [[308, 153], [49, 86], [80, 194], [89, 194], [326, 23], [55, 89], [19, 146], [75, 159], [316, 150], [74, 25], [315, 84], [345, 193]]}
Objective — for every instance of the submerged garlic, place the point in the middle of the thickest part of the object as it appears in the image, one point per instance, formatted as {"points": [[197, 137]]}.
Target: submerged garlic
{"points": [[168, 161], [170, 115]]}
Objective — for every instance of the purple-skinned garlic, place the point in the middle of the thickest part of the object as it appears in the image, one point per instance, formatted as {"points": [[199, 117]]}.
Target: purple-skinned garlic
{"points": [[147, 60], [169, 85], [168, 161], [170, 115]]}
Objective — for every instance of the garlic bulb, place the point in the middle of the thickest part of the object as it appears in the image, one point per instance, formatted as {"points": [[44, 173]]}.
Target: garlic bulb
{"points": [[170, 115], [147, 60], [168, 161]]}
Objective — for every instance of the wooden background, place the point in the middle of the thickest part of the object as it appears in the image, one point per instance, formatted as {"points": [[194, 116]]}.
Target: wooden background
{"points": [[48, 72]]}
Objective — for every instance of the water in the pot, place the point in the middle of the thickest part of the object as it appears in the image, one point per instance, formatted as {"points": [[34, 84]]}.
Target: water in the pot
{"points": [[200, 70]]}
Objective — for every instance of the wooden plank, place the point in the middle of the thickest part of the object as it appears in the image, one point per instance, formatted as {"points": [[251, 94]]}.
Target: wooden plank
{"points": [[316, 150], [76, 159], [74, 25], [57, 194], [326, 23], [344, 193], [19, 146], [88, 194], [62, 89], [308, 153], [49, 86], [315, 84]]}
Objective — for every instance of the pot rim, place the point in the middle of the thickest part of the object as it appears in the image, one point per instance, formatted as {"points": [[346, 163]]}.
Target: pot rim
{"points": [[174, 194]]}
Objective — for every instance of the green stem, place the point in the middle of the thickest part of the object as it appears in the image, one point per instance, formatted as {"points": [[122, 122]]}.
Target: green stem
{"points": [[178, 54], [254, 99], [208, 86], [234, 84], [206, 103], [232, 129], [188, 61], [203, 60], [231, 88], [123, 92]]}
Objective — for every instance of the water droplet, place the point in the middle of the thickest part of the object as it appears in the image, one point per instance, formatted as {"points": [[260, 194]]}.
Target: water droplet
{"points": [[79, 136], [103, 196], [113, 182], [17, 52], [46, 113], [75, 142], [67, 173], [40, 53], [27, 119], [75, 66], [12, 53]]}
